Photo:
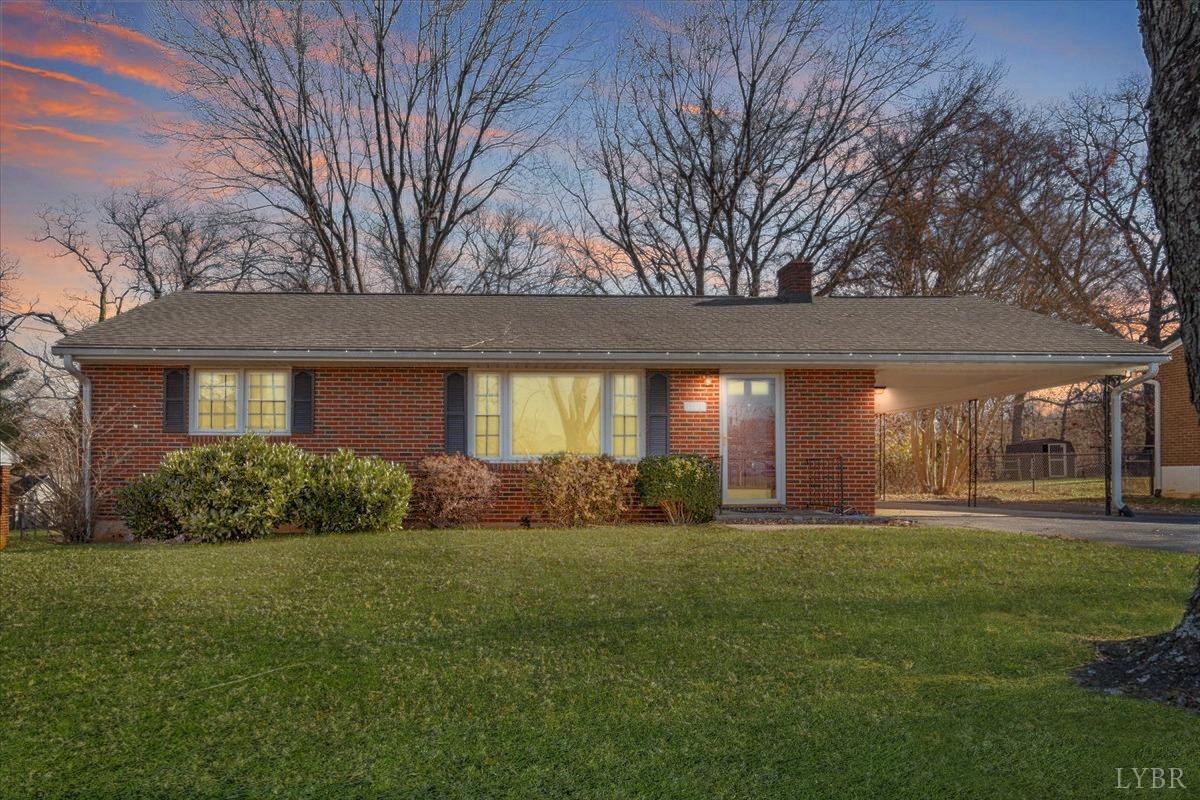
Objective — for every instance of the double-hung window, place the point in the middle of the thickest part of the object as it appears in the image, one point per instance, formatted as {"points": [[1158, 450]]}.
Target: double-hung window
{"points": [[240, 401], [523, 415]]}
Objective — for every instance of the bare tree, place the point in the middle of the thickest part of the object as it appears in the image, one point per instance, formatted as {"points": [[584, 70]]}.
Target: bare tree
{"points": [[940, 228], [137, 244], [511, 252], [1104, 153], [939, 443], [272, 119], [167, 246], [10, 271], [1046, 218], [369, 130], [453, 105], [741, 132], [58, 439], [66, 229], [985, 208]]}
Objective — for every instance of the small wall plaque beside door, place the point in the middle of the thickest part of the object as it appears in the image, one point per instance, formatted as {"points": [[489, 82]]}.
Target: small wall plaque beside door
{"points": [[695, 406]]}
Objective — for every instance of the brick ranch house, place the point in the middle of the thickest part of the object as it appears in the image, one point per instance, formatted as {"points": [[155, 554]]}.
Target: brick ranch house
{"points": [[1180, 428], [781, 391]]}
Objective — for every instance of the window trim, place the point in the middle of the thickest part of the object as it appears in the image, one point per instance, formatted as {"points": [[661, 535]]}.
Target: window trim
{"points": [[243, 399], [606, 401]]}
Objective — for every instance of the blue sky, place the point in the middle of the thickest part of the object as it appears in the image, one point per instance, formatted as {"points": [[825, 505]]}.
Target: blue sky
{"points": [[1054, 48]]}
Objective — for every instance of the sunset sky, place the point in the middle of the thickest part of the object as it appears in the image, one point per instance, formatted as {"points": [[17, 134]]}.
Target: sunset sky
{"points": [[79, 98]]}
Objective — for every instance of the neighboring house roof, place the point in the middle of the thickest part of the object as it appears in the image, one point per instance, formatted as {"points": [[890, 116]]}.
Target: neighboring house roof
{"points": [[265, 325], [1174, 341], [1026, 445], [7, 457], [34, 486]]}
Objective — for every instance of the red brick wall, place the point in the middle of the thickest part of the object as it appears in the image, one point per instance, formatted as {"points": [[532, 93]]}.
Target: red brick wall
{"points": [[390, 412], [696, 432], [5, 477], [395, 412], [830, 417], [1180, 428]]}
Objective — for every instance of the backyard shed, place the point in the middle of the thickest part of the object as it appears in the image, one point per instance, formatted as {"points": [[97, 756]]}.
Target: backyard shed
{"points": [[1039, 458]]}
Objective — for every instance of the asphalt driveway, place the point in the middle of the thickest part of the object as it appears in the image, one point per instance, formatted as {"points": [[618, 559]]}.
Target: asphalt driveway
{"points": [[1154, 531]]}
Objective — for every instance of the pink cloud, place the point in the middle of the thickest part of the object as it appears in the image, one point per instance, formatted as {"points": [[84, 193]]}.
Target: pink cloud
{"points": [[37, 30], [30, 92], [99, 157]]}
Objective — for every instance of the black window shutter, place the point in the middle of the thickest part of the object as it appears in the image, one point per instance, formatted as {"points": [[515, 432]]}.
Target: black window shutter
{"points": [[658, 393], [175, 400], [304, 384], [456, 412]]}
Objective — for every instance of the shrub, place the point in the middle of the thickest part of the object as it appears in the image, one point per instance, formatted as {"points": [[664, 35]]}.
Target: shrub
{"points": [[572, 490], [142, 505], [241, 488], [686, 487], [344, 493], [453, 490]]}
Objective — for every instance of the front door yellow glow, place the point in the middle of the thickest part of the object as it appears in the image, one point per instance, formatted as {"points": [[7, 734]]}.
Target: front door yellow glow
{"points": [[750, 458]]}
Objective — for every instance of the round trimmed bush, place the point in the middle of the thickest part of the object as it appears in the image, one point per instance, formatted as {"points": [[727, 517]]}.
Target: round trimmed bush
{"points": [[452, 490], [686, 487], [141, 503], [240, 488], [573, 490], [343, 493]]}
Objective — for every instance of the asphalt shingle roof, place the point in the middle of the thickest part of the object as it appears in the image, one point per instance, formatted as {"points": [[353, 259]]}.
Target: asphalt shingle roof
{"points": [[569, 323]]}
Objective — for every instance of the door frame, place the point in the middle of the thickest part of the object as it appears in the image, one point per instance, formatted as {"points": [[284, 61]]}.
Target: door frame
{"points": [[1056, 454], [780, 498]]}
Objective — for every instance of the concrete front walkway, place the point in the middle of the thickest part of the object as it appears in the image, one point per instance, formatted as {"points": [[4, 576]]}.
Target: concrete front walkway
{"points": [[1155, 531]]}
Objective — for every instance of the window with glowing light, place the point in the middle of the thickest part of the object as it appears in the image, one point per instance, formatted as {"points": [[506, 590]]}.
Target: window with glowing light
{"points": [[240, 401], [523, 415]]}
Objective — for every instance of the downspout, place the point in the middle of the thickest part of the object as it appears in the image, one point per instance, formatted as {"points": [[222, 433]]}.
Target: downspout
{"points": [[1157, 466], [1115, 413], [85, 391]]}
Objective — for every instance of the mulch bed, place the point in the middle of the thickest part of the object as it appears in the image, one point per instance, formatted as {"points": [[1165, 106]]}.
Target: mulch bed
{"points": [[1164, 667]]}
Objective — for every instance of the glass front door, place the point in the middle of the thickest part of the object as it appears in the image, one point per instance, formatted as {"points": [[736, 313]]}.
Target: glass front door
{"points": [[751, 410]]}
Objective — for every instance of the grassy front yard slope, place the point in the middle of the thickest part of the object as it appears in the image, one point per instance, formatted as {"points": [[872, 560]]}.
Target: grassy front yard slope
{"points": [[634, 662]]}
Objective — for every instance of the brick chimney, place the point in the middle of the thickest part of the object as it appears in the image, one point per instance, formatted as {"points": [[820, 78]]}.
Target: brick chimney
{"points": [[795, 282]]}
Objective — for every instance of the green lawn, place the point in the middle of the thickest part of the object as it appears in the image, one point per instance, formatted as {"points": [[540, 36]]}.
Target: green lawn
{"points": [[633, 662]]}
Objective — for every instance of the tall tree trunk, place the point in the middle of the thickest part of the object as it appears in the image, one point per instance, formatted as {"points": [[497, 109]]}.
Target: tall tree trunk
{"points": [[1166, 667], [1171, 39], [1018, 418]]}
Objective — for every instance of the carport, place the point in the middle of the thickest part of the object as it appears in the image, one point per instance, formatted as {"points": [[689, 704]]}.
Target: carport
{"points": [[942, 379]]}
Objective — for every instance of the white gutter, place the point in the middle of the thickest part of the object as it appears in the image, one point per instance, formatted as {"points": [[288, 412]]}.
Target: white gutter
{"points": [[1115, 416], [85, 390], [111, 354]]}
